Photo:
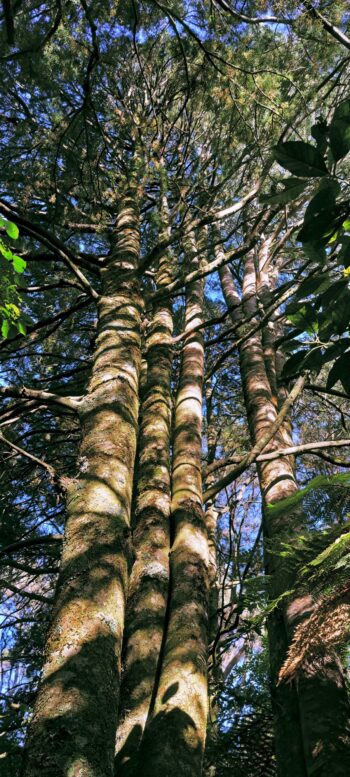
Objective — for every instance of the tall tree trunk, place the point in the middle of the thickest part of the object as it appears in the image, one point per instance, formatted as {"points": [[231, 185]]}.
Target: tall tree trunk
{"points": [[299, 718], [214, 663], [148, 590], [72, 733], [323, 700], [276, 482], [175, 737]]}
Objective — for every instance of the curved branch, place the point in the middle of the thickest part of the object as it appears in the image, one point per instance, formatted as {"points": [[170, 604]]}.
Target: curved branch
{"points": [[46, 539], [46, 397], [52, 242], [252, 456]]}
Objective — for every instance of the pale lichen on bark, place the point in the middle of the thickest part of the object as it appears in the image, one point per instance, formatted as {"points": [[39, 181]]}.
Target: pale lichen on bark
{"points": [[74, 721]]}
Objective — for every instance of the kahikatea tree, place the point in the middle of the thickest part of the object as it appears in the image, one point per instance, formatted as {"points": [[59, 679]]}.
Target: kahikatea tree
{"points": [[137, 142]]}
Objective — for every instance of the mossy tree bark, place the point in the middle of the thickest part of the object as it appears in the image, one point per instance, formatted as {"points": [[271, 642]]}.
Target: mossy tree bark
{"points": [[73, 727], [148, 590], [324, 710], [175, 737], [276, 482], [301, 712], [214, 663]]}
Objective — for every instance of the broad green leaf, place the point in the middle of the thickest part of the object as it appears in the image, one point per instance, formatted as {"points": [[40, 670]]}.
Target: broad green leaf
{"points": [[12, 230], [319, 133], [335, 315], [293, 365], [321, 226], [333, 293], [323, 199], [300, 159], [341, 313], [339, 131], [317, 253], [336, 349], [305, 319], [342, 112], [322, 214], [317, 282], [341, 371], [21, 328], [343, 256], [313, 360], [293, 187], [339, 136], [5, 328], [6, 252], [293, 306], [19, 264]]}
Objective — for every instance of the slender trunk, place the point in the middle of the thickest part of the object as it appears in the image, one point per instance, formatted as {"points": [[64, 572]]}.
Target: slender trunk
{"points": [[214, 667], [276, 482], [175, 737], [300, 748], [323, 700], [148, 590], [214, 664], [72, 733]]}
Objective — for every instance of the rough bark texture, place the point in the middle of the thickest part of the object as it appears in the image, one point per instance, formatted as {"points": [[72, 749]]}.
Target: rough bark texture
{"points": [[214, 664], [175, 737], [73, 729], [148, 591], [302, 716]]}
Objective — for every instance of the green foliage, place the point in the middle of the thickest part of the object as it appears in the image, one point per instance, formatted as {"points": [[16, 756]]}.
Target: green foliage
{"points": [[74, 111], [318, 562], [326, 226], [322, 564], [319, 482], [301, 159], [317, 555], [293, 187], [11, 266], [341, 371], [339, 131], [244, 745]]}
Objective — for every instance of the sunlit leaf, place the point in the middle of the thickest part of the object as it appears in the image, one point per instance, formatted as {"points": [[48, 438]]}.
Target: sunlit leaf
{"points": [[5, 328], [19, 264], [12, 230]]}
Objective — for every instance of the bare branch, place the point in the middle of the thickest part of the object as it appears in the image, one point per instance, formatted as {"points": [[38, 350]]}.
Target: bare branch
{"points": [[310, 10], [252, 456], [47, 397], [331, 28], [52, 472], [27, 594], [46, 539], [324, 390], [31, 570], [51, 242]]}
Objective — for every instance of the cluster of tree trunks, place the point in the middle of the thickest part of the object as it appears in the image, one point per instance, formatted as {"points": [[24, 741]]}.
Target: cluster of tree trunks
{"points": [[139, 553], [131, 133], [307, 742]]}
